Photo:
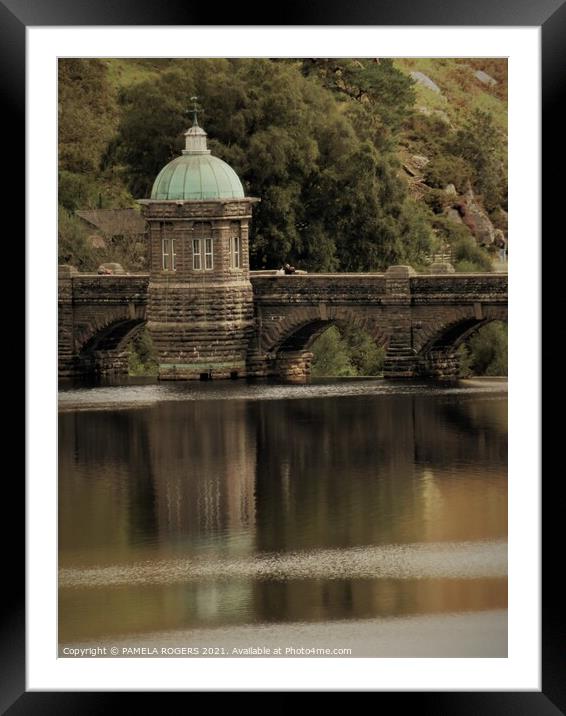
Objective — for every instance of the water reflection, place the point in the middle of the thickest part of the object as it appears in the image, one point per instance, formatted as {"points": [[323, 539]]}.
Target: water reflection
{"points": [[232, 480]]}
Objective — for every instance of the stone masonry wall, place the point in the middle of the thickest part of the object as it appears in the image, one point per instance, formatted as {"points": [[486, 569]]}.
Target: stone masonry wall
{"points": [[200, 319], [227, 323]]}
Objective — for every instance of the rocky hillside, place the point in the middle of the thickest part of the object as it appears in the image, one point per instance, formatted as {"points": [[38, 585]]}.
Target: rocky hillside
{"points": [[450, 93]]}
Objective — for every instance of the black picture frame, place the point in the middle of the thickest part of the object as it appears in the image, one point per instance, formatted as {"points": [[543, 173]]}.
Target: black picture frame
{"points": [[15, 17]]}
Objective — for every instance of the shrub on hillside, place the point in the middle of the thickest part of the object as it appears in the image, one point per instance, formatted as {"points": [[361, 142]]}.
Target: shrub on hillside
{"points": [[468, 257], [444, 169]]}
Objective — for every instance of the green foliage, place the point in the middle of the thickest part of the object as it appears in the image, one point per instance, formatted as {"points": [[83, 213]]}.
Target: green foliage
{"points": [[365, 355], [87, 111], [74, 249], [141, 355], [452, 233], [88, 115], [427, 134], [374, 82], [499, 219], [446, 169], [346, 352], [437, 200], [468, 257], [72, 245], [331, 356], [481, 143], [486, 351]]}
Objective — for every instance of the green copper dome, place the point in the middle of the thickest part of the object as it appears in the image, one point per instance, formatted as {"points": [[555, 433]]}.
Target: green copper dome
{"points": [[196, 175]]}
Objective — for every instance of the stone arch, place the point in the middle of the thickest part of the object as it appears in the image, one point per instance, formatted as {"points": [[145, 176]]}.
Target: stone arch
{"points": [[106, 349], [439, 341], [297, 330], [286, 342]]}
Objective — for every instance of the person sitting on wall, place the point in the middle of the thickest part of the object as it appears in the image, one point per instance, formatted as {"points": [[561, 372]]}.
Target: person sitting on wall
{"points": [[289, 269]]}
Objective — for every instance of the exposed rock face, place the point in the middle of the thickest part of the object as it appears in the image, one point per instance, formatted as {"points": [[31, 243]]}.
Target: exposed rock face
{"points": [[439, 113], [452, 213], [419, 161], [414, 165], [475, 218], [424, 80], [484, 78]]}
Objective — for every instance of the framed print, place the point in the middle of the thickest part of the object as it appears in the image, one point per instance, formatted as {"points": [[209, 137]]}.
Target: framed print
{"points": [[231, 518]]}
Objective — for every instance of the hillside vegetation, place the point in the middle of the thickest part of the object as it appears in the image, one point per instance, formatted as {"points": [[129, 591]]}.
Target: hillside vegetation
{"points": [[359, 163]]}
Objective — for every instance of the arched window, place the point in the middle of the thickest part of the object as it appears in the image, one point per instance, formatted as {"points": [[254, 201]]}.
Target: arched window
{"points": [[203, 247], [235, 246], [168, 250]]}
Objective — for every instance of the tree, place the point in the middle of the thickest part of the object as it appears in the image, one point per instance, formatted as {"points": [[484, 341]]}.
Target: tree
{"points": [[87, 121], [482, 145], [331, 356], [72, 245], [376, 83], [469, 257], [487, 350]]}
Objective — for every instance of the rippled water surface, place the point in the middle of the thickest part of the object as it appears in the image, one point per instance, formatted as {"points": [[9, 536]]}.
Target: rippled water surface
{"points": [[200, 508]]}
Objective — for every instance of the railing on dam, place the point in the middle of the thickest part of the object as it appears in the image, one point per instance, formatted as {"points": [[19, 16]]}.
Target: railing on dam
{"points": [[300, 286], [335, 287]]}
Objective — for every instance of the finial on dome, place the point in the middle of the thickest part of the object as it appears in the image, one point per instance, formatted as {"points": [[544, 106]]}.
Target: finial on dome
{"points": [[195, 137], [194, 110]]}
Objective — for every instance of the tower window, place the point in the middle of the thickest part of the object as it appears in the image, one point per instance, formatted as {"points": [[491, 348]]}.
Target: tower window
{"points": [[168, 254], [202, 247], [196, 255], [235, 252], [208, 258]]}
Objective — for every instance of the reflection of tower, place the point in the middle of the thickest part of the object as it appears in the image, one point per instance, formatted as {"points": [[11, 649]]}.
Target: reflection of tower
{"points": [[200, 311], [204, 478]]}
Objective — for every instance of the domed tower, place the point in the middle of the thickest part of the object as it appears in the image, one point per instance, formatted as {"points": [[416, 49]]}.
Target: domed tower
{"points": [[200, 308]]}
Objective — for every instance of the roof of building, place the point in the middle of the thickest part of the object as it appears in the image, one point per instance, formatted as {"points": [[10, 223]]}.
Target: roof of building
{"points": [[114, 222], [196, 175]]}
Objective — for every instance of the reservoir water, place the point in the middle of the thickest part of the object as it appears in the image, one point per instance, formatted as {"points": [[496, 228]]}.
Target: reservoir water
{"points": [[359, 514]]}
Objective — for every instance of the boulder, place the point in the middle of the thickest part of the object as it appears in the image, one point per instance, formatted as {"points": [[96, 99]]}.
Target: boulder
{"points": [[452, 213], [475, 218], [439, 113], [96, 241], [484, 78], [419, 160], [424, 80], [111, 268]]}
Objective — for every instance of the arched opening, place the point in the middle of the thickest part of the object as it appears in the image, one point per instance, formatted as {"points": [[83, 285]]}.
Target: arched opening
{"points": [[484, 351], [450, 354], [106, 351], [330, 348]]}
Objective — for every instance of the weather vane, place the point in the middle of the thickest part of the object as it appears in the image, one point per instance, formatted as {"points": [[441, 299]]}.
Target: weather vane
{"points": [[194, 110]]}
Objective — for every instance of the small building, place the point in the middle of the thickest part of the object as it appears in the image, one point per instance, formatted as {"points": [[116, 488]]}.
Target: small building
{"points": [[112, 225]]}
